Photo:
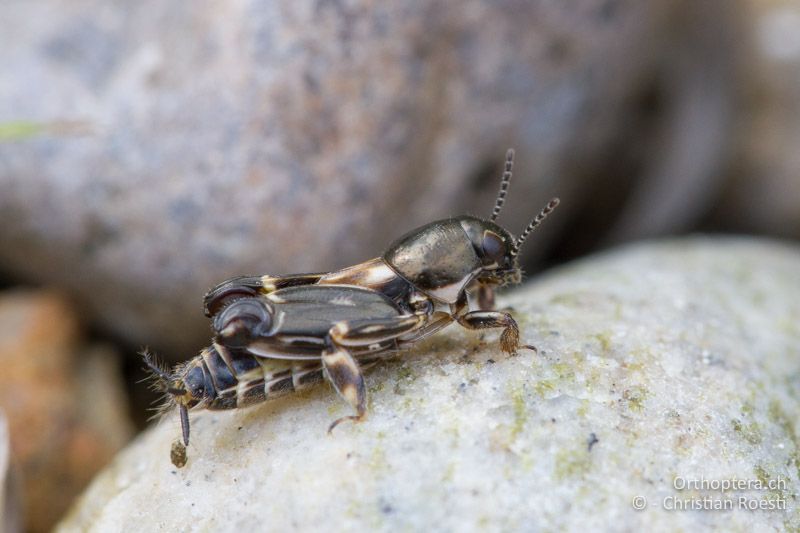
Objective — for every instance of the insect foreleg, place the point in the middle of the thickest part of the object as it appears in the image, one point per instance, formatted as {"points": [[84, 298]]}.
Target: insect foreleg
{"points": [[485, 298], [509, 339]]}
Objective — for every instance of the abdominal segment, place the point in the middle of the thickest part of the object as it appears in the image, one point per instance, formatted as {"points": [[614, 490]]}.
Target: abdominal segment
{"points": [[240, 379]]}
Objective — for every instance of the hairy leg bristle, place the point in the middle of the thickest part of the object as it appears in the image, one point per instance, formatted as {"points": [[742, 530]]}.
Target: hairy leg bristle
{"points": [[158, 374], [159, 377]]}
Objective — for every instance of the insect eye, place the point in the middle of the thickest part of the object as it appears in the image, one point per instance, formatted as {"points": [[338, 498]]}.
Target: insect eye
{"points": [[493, 247]]}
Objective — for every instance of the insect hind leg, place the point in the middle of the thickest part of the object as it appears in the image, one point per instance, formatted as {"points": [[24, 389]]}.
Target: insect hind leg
{"points": [[343, 372], [228, 291], [233, 289], [341, 367]]}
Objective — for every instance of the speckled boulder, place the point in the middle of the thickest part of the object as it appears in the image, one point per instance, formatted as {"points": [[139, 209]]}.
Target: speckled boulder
{"points": [[658, 365], [149, 150]]}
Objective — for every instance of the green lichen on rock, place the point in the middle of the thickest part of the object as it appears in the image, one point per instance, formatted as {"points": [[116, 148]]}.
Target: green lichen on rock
{"points": [[634, 398], [750, 432], [544, 387], [520, 411], [572, 462]]}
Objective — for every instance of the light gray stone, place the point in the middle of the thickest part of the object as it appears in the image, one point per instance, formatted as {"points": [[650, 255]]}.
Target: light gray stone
{"points": [[763, 194], [149, 150], [657, 363], [9, 499]]}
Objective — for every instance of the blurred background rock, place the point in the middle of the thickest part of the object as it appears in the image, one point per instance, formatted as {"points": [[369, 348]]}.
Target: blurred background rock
{"points": [[65, 402], [149, 150]]}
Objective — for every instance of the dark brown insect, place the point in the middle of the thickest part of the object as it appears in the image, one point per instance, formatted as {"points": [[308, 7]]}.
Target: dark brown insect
{"points": [[278, 334]]}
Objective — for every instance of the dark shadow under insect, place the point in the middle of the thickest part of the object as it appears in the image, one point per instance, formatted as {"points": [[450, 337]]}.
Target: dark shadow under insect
{"points": [[273, 335]]}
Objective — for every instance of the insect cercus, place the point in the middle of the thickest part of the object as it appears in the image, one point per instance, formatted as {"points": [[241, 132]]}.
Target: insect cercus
{"points": [[278, 334]]}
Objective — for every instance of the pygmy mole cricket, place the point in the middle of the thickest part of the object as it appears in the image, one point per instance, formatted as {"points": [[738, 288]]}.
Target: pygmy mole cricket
{"points": [[278, 334]]}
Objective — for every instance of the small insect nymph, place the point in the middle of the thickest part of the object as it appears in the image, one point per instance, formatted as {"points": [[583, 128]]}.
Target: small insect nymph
{"points": [[278, 334]]}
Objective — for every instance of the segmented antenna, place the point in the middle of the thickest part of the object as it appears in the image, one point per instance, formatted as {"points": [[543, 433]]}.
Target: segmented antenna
{"points": [[535, 222], [501, 196]]}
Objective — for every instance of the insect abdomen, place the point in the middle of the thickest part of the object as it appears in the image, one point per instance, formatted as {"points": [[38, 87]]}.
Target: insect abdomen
{"points": [[235, 378], [239, 379], [270, 381]]}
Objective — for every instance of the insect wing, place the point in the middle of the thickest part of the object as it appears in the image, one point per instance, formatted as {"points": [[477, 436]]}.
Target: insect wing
{"points": [[305, 315]]}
